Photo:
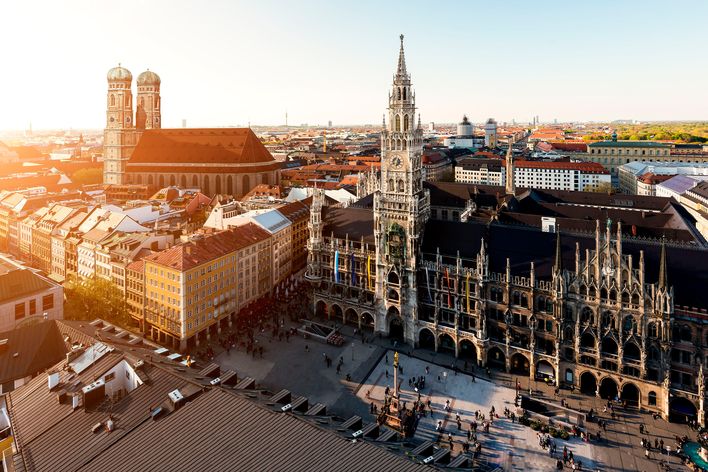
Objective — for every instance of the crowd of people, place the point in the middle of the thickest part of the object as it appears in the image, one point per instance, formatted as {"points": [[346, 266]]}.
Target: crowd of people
{"points": [[264, 316]]}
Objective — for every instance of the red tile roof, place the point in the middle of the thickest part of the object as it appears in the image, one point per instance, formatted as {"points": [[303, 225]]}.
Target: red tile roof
{"points": [[260, 190], [194, 253], [296, 211], [201, 145], [571, 146], [592, 167]]}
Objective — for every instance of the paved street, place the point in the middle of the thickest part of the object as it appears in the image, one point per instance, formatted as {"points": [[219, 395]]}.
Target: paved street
{"points": [[508, 444], [289, 365]]}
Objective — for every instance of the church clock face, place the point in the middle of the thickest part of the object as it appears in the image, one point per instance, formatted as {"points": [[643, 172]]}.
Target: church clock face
{"points": [[396, 162]]}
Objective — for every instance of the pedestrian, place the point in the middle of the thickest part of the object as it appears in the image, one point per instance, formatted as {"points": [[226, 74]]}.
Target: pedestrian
{"points": [[646, 454]]}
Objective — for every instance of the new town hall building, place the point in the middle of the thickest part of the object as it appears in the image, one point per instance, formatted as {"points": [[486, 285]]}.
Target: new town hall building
{"points": [[436, 265]]}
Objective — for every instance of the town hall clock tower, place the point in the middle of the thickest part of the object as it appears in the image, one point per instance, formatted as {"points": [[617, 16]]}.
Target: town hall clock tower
{"points": [[401, 209]]}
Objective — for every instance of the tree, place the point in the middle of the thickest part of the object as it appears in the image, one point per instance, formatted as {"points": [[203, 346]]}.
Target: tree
{"points": [[87, 176], [88, 299], [602, 187]]}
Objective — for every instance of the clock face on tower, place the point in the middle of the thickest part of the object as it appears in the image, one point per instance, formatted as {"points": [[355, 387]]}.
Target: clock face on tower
{"points": [[396, 162]]}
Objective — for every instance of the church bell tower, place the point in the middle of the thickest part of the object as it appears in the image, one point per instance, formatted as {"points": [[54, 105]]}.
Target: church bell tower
{"points": [[119, 136], [401, 209]]}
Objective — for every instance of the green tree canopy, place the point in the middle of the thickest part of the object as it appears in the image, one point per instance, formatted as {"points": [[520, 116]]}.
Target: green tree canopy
{"points": [[88, 299]]}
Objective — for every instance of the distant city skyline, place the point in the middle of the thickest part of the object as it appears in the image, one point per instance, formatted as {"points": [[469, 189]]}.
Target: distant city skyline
{"points": [[233, 63]]}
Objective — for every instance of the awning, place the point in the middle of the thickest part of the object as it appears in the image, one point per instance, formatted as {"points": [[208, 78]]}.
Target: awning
{"points": [[545, 368]]}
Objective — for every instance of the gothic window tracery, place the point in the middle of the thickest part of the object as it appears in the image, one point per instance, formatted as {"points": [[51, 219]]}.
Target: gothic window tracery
{"points": [[405, 122], [398, 123], [113, 100]]}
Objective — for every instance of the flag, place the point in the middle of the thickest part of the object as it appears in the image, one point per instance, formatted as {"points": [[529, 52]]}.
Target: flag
{"points": [[336, 266], [352, 268]]}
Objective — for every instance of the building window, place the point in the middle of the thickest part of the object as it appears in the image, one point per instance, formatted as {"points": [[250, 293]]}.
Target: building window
{"points": [[32, 307], [47, 302], [19, 311], [652, 398]]}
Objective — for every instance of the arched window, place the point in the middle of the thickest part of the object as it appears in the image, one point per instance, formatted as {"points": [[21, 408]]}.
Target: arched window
{"points": [[405, 93], [652, 330], [390, 185], [686, 333], [586, 316], [398, 96], [405, 122], [629, 324], [246, 184], [608, 320], [113, 100], [654, 354], [398, 123], [652, 398], [400, 186]]}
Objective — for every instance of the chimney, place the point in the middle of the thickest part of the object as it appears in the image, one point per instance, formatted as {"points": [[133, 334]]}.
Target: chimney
{"points": [[188, 249]]}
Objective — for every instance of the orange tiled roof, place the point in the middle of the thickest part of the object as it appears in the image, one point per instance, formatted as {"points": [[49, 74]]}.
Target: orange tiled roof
{"points": [[202, 145], [194, 253], [260, 190]]}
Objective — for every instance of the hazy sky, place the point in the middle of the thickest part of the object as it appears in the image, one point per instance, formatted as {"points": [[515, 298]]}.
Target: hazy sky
{"points": [[230, 62]]}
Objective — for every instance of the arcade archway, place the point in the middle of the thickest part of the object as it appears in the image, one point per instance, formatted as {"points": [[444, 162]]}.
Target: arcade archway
{"points": [[446, 343], [681, 410], [496, 358], [468, 351], [630, 394], [426, 339], [520, 365], [608, 389], [367, 321], [588, 383]]}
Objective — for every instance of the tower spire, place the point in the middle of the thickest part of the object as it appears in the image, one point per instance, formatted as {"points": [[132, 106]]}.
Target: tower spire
{"points": [[510, 186], [401, 70], [558, 266], [662, 264]]}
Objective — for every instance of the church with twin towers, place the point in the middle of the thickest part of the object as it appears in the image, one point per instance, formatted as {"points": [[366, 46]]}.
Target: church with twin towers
{"points": [[137, 150], [431, 265]]}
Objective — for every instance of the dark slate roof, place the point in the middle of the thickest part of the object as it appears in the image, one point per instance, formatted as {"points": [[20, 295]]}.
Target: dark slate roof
{"points": [[228, 432], [452, 194], [30, 349], [351, 222], [523, 245]]}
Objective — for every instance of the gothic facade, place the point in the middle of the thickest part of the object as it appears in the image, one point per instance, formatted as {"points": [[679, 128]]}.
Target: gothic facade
{"points": [[606, 323]]}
